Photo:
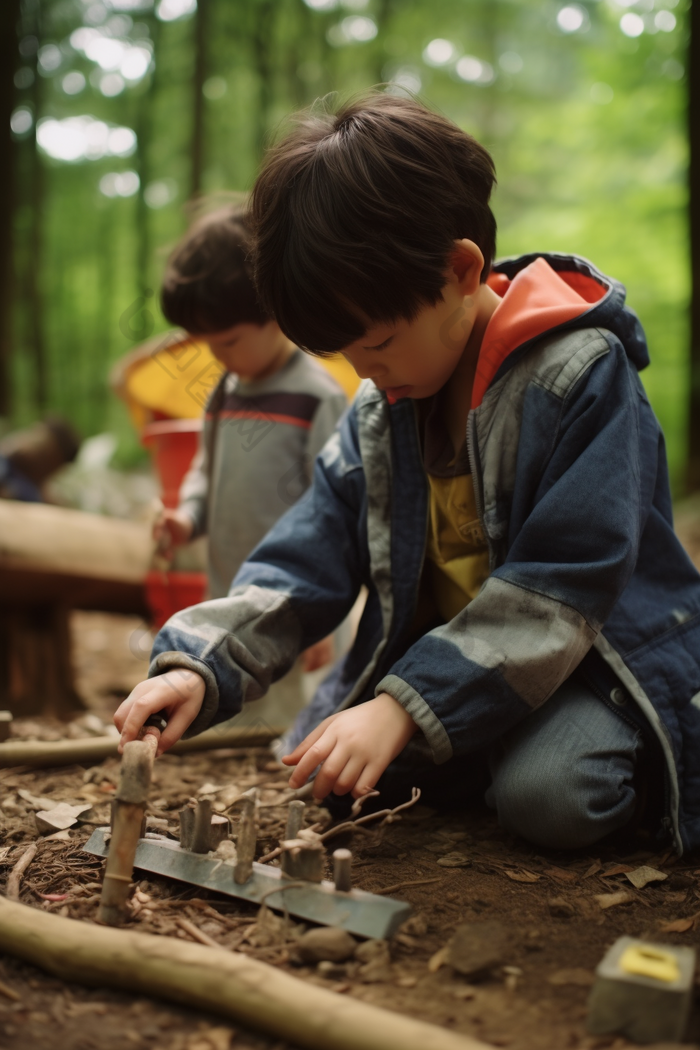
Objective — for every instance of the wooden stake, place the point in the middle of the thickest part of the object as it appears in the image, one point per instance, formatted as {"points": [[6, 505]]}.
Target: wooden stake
{"points": [[295, 819], [229, 983], [127, 820], [342, 861], [245, 842], [201, 832]]}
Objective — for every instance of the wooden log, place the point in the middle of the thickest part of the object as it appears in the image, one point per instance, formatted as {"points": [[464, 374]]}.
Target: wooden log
{"points": [[41, 754], [127, 820], [228, 983]]}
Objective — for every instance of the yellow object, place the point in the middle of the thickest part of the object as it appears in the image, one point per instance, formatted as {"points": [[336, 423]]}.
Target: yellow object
{"points": [[457, 551], [645, 960], [343, 373], [172, 375]]}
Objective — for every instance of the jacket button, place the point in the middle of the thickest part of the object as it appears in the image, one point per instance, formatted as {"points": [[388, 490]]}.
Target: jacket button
{"points": [[618, 696]]}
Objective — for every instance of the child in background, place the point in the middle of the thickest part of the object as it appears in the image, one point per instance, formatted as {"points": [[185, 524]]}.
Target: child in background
{"points": [[499, 485], [270, 414]]}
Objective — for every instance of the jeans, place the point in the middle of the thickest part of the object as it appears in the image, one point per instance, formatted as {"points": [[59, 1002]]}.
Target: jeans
{"points": [[562, 778]]}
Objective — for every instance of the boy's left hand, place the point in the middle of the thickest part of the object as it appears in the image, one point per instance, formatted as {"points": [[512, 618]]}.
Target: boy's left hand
{"points": [[353, 747]]}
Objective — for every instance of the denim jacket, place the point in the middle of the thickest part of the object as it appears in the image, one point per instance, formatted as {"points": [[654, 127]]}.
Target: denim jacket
{"points": [[570, 474]]}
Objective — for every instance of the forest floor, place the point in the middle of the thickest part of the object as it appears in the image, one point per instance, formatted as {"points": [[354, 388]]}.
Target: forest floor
{"points": [[560, 911]]}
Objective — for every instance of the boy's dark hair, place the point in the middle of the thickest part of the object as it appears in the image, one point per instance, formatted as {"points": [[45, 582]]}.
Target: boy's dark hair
{"points": [[207, 286], [355, 214]]}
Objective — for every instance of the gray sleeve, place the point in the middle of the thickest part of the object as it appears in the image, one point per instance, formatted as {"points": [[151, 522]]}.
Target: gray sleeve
{"points": [[322, 426], [194, 490]]}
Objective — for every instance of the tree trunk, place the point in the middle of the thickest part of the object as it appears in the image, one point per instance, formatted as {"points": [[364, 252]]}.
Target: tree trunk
{"points": [[9, 15], [693, 65], [199, 77]]}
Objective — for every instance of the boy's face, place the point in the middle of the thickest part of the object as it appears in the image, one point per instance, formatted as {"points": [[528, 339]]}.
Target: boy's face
{"points": [[416, 358], [251, 351]]}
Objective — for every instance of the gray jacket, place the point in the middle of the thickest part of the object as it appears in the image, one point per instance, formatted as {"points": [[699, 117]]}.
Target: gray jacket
{"points": [[255, 459]]}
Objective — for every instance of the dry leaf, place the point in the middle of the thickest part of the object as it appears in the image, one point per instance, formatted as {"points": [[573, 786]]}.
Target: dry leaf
{"points": [[677, 926], [595, 867], [561, 874], [439, 959], [641, 877], [617, 869], [522, 875], [611, 900]]}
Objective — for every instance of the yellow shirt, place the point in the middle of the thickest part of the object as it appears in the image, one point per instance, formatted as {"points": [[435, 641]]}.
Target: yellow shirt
{"points": [[457, 561]]}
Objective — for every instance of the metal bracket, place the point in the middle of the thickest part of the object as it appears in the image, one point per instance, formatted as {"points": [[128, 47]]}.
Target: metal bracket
{"points": [[358, 912]]}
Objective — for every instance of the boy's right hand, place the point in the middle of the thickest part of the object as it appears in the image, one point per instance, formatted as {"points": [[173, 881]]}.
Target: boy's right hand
{"points": [[178, 692], [171, 529]]}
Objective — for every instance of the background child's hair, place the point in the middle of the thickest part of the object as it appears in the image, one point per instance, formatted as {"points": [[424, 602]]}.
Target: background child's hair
{"points": [[355, 214], [207, 285]]}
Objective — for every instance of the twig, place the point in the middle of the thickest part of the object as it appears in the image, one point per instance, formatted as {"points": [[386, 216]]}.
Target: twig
{"points": [[196, 934], [8, 992], [403, 885], [12, 891], [388, 814], [280, 849]]}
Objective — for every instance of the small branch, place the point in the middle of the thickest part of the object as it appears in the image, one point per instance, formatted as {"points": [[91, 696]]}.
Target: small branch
{"points": [[12, 891], [196, 934], [403, 885]]}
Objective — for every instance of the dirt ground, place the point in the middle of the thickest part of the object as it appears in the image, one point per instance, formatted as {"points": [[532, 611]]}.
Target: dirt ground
{"points": [[560, 911]]}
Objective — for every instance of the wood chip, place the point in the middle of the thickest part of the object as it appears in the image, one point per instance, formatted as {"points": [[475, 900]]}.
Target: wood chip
{"points": [[641, 877], [9, 993], [677, 926], [561, 874], [595, 867], [617, 869], [439, 959], [454, 860], [611, 900], [521, 875]]}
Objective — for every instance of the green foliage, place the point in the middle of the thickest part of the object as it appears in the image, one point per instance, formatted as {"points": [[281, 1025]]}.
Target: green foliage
{"points": [[586, 126]]}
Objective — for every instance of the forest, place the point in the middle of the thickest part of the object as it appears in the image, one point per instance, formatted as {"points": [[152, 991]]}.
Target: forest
{"points": [[121, 113]]}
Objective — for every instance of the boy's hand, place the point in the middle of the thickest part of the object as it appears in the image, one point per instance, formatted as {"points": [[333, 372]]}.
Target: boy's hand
{"points": [[179, 692], [318, 655], [171, 529], [353, 747]]}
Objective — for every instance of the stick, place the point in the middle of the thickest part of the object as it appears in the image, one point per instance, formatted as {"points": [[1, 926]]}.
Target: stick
{"points": [[197, 935], [18, 871], [402, 885], [129, 810], [234, 985], [40, 754]]}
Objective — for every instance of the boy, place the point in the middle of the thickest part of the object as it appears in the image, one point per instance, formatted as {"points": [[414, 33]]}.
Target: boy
{"points": [[270, 414], [499, 485]]}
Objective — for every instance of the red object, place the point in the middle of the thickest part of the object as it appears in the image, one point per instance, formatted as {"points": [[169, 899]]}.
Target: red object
{"points": [[172, 443], [169, 592]]}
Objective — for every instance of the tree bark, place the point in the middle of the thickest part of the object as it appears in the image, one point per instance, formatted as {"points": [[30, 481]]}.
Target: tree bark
{"points": [[693, 66], [9, 15], [201, 20]]}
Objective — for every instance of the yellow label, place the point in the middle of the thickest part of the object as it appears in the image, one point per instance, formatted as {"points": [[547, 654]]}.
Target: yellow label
{"points": [[645, 960]]}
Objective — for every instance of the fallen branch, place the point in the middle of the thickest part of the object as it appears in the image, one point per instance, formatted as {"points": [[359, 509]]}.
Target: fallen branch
{"points": [[41, 753], [228, 983], [18, 871], [196, 934]]}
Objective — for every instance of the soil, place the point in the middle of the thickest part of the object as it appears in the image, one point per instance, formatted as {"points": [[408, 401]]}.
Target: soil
{"points": [[452, 868]]}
